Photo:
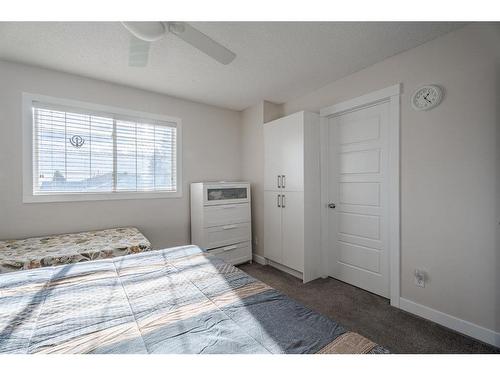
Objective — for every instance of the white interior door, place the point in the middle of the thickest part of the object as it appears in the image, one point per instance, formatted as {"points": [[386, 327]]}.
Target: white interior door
{"points": [[358, 145], [293, 229], [272, 232]]}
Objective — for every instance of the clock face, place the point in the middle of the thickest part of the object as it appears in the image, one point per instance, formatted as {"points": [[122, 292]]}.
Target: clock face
{"points": [[426, 97]]}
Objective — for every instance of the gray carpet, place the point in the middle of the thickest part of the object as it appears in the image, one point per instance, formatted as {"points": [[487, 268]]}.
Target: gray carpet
{"points": [[369, 314]]}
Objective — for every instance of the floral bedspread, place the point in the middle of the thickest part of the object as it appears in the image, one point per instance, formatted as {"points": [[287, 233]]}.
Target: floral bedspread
{"points": [[70, 248]]}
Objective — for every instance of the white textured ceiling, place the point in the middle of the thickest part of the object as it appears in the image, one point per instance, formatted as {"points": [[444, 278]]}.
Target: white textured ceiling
{"points": [[276, 61]]}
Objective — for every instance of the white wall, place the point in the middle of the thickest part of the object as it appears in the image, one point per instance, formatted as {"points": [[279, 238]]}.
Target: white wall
{"points": [[252, 168], [450, 167], [211, 142]]}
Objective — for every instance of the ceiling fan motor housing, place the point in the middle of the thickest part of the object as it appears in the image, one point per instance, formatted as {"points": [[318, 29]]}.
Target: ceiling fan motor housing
{"points": [[147, 31]]}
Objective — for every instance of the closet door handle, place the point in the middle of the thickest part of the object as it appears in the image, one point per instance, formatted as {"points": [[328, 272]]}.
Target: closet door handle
{"points": [[283, 181], [283, 201], [279, 182], [278, 200]]}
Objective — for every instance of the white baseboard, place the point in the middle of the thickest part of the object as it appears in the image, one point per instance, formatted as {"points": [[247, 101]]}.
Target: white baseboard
{"points": [[266, 262], [259, 259], [467, 328], [286, 269]]}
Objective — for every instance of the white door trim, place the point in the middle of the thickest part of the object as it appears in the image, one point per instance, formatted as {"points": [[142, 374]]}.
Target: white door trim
{"points": [[362, 101], [390, 95]]}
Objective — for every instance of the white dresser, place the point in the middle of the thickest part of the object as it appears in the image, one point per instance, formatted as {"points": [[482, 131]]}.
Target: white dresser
{"points": [[221, 219]]}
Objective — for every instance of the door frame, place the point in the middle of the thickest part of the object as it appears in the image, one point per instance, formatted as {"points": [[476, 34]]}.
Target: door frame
{"points": [[392, 96]]}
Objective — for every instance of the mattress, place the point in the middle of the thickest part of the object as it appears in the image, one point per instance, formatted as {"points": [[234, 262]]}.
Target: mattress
{"points": [[178, 300], [70, 248]]}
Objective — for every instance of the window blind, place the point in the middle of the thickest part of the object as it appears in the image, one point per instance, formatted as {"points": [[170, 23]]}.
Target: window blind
{"points": [[77, 151]]}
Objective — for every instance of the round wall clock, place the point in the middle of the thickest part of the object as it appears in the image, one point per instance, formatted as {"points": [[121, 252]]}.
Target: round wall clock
{"points": [[426, 97]]}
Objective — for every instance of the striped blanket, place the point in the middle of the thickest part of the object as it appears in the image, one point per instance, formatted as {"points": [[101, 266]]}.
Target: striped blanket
{"points": [[179, 300]]}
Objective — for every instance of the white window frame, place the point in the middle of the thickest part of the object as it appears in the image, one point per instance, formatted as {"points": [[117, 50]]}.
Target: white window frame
{"points": [[27, 118]]}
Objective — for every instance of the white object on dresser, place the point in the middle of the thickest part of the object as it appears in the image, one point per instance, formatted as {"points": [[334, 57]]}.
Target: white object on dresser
{"points": [[292, 195], [221, 219]]}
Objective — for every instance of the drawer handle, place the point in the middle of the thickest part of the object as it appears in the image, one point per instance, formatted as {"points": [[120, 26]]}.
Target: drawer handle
{"points": [[226, 227], [227, 207], [232, 247]]}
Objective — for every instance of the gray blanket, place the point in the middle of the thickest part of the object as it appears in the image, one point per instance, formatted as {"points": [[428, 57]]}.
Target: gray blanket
{"points": [[179, 300]]}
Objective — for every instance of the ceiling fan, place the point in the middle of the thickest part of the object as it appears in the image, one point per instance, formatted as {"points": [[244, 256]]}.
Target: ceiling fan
{"points": [[143, 33]]}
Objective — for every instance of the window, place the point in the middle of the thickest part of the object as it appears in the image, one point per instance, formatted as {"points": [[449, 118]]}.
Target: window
{"points": [[83, 151]]}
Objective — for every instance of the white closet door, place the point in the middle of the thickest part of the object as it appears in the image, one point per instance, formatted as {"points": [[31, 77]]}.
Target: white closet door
{"points": [[272, 230], [293, 230], [272, 155], [292, 152]]}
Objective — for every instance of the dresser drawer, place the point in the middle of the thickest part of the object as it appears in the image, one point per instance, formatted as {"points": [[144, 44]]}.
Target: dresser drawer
{"points": [[234, 254], [226, 214], [227, 235]]}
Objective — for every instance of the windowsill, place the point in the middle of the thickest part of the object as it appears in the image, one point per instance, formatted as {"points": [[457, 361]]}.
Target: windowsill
{"points": [[79, 197]]}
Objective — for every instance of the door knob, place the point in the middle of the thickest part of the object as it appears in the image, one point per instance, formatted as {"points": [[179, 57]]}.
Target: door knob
{"points": [[331, 205]]}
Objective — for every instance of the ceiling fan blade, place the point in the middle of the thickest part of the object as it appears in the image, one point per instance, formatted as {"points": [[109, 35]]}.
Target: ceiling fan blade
{"points": [[138, 52], [204, 43]]}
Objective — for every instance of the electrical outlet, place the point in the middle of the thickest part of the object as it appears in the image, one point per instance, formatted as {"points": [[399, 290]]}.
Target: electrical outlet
{"points": [[420, 278]]}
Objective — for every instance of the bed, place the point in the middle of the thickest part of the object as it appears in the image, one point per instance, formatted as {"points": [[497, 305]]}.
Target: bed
{"points": [[70, 248], [178, 300]]}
